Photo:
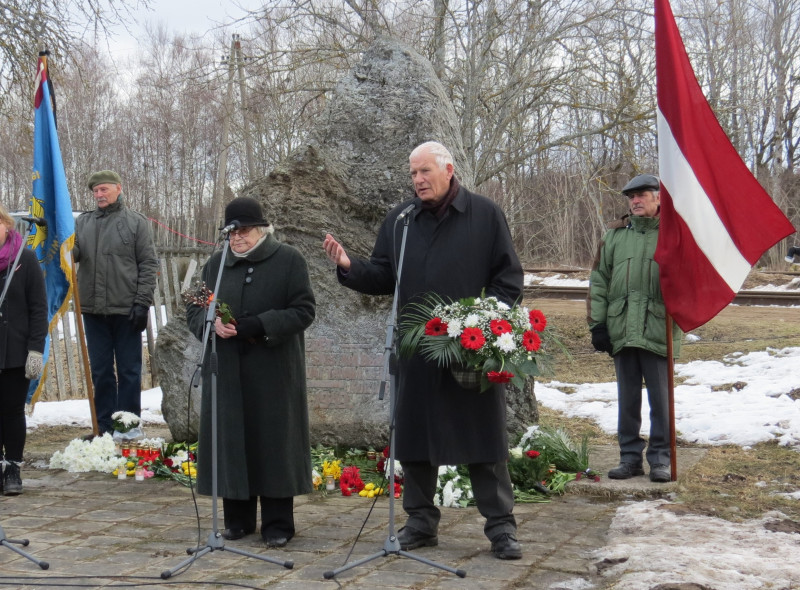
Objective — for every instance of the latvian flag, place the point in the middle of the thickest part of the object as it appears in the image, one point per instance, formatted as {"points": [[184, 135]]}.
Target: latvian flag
{"points": [[716, 219]]}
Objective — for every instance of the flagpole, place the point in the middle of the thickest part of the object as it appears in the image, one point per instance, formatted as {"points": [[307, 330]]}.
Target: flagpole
{"points": [[673, 451], [87, 373]]}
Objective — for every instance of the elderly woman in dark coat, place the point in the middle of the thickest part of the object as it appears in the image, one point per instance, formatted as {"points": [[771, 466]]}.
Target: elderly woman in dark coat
{"points": [[23, 328], [263, 447]]}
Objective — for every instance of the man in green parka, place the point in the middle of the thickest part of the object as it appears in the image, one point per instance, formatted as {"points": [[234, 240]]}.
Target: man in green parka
{"points": [[627, 319]]}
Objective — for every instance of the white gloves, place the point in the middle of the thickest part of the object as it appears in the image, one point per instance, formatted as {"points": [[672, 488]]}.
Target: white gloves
{"points": [[34, 365]]}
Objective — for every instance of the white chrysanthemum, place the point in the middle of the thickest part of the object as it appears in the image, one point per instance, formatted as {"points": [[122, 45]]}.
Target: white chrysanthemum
{"points": [[180, 457], [505, 342], [472, 320], [516, 452], [454, 328], [128, 419], [398, 469], [81, 456], [502, 305], [450, 494]]}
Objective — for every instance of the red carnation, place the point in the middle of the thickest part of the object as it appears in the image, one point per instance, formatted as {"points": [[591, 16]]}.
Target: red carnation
{"points": [[499, 376], [472, 338], [578, 476], [537, 319], [345, 491], [499, 327], [531, 341], [532, 454], [436, 327]]}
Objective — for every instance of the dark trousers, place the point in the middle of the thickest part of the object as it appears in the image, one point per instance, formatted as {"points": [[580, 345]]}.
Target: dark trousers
{"points": [[277, 515], [112, 340], [13, 392], [491, 486], [634, 365]]}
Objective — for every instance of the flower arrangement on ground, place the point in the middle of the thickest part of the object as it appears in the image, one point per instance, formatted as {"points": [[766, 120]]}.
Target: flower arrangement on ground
{"points": [[80, 456], [453, 487], [124, 422], [156, 459], [500, 342], [359, 472]]}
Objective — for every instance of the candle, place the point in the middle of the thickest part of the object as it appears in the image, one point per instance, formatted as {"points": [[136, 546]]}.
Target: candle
{"points": [[329, 483], [121, 473], [139, 474]]}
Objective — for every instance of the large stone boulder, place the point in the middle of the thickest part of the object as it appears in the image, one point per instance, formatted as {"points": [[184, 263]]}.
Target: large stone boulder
{"points": [[351, 170], [178, 353]]}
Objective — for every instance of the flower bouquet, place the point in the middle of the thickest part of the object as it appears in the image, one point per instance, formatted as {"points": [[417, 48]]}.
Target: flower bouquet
{"points": [[202, 296], [127, 427], [493, 341]]}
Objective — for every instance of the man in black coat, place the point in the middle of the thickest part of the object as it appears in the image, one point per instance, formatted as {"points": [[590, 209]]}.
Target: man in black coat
{"points": [[458, 245]]}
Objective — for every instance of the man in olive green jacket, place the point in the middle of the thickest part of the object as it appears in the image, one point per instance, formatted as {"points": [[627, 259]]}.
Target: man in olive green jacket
{"points": [[116, 281], [626, 316]]}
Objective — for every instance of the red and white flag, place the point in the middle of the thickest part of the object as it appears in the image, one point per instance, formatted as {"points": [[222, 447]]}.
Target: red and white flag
{"points": [[716, 219]]}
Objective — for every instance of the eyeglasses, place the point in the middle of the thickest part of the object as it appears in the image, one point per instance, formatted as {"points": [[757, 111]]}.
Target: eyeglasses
{"points": [[242, 231]]}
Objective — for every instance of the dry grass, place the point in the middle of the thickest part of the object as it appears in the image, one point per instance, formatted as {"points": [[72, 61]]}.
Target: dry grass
{"points": [[735, 483]]}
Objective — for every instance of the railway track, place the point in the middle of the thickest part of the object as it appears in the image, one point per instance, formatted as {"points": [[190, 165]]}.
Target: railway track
{"points": [[781, 298]]}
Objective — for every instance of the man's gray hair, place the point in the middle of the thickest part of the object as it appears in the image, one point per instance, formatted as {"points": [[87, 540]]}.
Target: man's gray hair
{"points": [[437, 150]]}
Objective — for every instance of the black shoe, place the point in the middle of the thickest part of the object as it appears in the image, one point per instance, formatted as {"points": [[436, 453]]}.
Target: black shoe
{"points": [[506, 547], [660, 473], [625, 471], [272, 541], [235, 534], [12, 482], [412, 538]]}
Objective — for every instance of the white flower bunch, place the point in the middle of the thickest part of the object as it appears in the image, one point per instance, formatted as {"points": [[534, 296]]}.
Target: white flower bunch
{"points": [[398, 469], [180, 457], [81, 456], [125, 421], [452, 489]]}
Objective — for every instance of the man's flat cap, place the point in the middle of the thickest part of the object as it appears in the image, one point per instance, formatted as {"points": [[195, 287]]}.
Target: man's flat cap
{"points": [[643, 182]]}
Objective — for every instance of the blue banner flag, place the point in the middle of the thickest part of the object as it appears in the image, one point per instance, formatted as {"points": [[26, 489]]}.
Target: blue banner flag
{"points": [[52, 243]]}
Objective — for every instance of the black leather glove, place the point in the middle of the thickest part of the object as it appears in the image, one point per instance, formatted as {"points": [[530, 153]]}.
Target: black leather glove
{"points": [[249, 327], [138, 316], [601, 340]]}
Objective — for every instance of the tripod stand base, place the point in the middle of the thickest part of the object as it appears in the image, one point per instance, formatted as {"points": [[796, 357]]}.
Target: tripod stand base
{"points": [[6, 542], [216, 543], [392, 547]]}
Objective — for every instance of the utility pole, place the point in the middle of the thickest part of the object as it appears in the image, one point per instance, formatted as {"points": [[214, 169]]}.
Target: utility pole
{"points": [[248, 144], [222, 164]]}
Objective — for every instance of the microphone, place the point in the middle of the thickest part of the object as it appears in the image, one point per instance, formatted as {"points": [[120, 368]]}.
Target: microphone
{"points": [[229, 228], [40, 221], [406, 211]]}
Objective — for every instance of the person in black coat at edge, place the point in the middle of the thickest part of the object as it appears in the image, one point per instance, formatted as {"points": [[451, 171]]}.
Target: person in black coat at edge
{"points": [[262, 410], [458, 245], [23, 328]]}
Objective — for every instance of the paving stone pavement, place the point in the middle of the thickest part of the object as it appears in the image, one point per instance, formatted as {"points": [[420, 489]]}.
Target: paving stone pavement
{"points": [[96, 532]]}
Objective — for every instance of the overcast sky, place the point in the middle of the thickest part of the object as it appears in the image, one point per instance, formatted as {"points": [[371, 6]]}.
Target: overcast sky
{"points": [[184, 16]]}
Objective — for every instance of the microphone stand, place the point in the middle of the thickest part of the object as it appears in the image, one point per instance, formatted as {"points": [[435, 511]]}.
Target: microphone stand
{"points": [[392, 545], [5, 541], [215, 540]]}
